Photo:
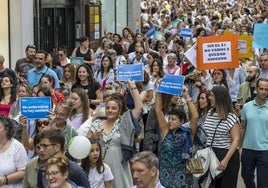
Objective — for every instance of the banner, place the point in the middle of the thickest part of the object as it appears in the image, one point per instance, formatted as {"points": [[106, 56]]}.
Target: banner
{"points": [[35, 107], [130, 71], [171, 84], [260, 36], [217, 52]]}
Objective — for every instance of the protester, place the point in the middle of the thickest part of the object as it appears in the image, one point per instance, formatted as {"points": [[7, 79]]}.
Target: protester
{"points": [[52, 144], [99, 173], [176, 148], [8, 94], [222, 120], [35, 74], [13, 157], [57, 170], [253, 134], [115, 130], [23, 65], [145, 169]]}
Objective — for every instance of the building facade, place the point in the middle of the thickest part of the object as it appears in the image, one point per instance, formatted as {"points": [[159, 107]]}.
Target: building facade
{"points": [[51, 24]]}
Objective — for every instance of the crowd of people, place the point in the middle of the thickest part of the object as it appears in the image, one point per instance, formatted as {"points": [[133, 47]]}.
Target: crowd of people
{"points": [[124, 118]]}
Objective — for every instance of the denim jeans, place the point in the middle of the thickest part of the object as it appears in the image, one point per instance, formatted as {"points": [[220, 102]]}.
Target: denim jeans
{"points": [[252, 159]]}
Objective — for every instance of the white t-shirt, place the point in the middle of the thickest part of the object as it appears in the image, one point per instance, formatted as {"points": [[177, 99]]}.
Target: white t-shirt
{"points": [[12, 160], [97, 180]]}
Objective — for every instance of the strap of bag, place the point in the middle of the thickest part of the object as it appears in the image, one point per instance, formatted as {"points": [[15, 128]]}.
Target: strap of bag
{"points": [[215, 132]]}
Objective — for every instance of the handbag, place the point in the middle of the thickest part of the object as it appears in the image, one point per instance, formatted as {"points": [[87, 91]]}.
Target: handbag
{"points": [[195, 165]]}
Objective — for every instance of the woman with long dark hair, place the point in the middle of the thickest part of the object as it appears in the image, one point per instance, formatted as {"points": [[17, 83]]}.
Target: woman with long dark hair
{"points": [[222, 120], [7, 94], [99, 173], [86, 80]]}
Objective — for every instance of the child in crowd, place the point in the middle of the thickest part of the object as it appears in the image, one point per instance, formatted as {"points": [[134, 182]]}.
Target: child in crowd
{"points": [[99, 173]]}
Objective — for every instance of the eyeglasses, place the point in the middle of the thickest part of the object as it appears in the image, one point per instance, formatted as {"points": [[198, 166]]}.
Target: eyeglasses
{"points": [[60, 55], [40, 123], [44, 146], [139, 52], [52, 173], [161, 47]]}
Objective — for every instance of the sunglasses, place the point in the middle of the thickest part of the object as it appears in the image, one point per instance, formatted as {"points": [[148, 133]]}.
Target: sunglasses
{"points": [[40, 123], [139, 53], [31, 46], [60, 54]]}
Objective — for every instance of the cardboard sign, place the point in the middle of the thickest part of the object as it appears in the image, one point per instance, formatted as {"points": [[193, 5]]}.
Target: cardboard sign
{"points": [[217, 52], [260, 36], [171, 84], [35, 107], [130, 71], [245, 46]]}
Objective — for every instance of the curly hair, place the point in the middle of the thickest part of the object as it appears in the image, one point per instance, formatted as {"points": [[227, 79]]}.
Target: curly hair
{"points": [[8, 125]]}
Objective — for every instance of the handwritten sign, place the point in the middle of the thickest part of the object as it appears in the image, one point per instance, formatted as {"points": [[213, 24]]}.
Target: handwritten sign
{"points": [[171, 84], [35, 107], [130, 71], [217, 52]]}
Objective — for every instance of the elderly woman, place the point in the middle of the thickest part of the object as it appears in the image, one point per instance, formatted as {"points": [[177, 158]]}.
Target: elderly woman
{"points": [[57, 170], [177, 135], [13, 157]]}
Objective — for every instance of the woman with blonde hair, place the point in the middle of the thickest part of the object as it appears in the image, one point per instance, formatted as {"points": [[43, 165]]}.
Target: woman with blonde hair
{"points": [[57, 170]]}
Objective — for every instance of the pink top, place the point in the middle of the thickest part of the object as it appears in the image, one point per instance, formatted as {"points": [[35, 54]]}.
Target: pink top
{"points": [[4, 108]]}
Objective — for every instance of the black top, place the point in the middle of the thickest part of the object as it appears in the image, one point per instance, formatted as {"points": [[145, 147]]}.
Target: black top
{"points": [[86, 56]]}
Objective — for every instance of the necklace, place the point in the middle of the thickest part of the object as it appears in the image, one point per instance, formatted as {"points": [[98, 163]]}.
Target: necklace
{"points": [[4, 144]]}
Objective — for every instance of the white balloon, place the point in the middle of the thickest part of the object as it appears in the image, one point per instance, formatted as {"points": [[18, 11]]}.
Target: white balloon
{"points": [[79, 147]]}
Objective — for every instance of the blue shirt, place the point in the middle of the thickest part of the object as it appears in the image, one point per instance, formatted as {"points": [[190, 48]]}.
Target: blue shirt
{"points": [[256, 118], [34, 77]]}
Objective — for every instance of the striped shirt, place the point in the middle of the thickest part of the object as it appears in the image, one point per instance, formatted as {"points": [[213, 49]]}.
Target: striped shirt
{"points": [[222, 137]]}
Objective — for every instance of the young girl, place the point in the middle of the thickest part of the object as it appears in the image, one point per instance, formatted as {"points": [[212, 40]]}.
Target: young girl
{"points": [[99, 173]]}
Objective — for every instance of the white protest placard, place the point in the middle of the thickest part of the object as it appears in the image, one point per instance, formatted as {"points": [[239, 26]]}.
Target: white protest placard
{"points": [[191, 55], [217, 51]]}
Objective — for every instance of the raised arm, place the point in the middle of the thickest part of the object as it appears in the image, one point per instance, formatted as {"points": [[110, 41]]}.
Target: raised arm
{"points": [[163, 125], [193, 114], [136, 98], [26, 140]]}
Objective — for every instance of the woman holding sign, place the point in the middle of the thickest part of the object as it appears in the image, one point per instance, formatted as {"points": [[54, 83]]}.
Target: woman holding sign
{"points": [[177, 135], [112, 134]]}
